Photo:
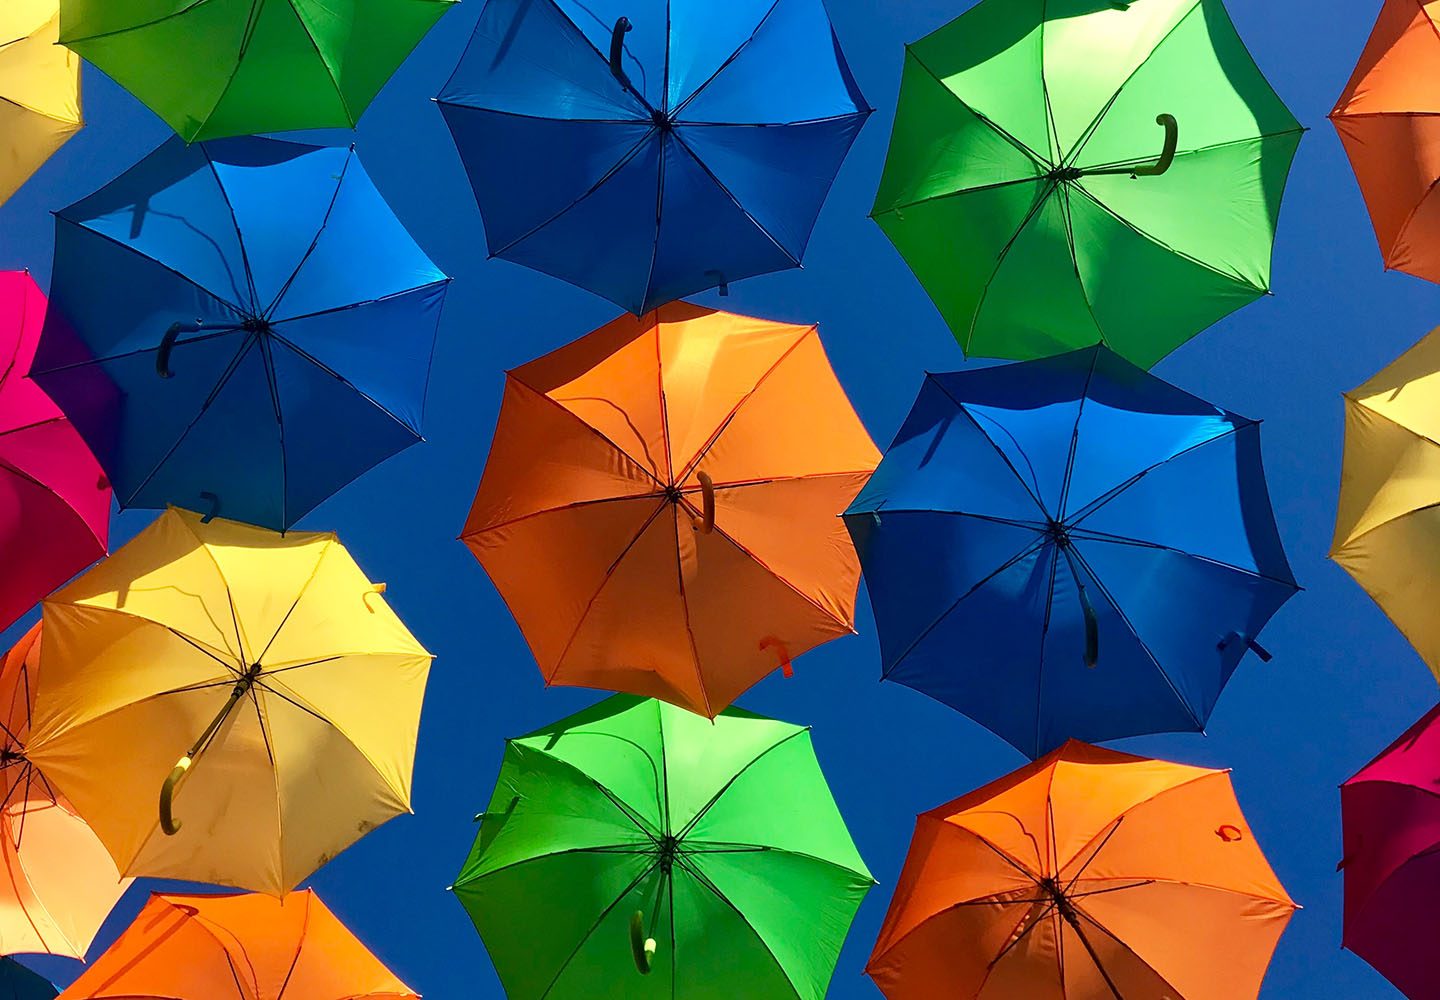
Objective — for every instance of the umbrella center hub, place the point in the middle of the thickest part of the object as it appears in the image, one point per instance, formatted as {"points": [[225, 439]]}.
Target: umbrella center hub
{"points": [[1052, 890], [668, 848], [1058, 533], [672, 493], [9, 756], [255, 325], [1065, 174], [661, 120]]}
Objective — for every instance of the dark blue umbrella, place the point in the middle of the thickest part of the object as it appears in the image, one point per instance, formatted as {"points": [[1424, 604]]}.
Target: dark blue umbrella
{"points": [[648, 149], [19, 983], [1069, 548], [240, 326]]}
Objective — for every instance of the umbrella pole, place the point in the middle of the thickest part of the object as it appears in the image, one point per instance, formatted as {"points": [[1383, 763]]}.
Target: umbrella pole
{"points": [[1074, 922], [168, 823]]}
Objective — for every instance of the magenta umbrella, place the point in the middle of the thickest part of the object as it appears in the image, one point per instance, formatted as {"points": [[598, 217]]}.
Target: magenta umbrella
{"points": [[54, 499], [1391, 816]]}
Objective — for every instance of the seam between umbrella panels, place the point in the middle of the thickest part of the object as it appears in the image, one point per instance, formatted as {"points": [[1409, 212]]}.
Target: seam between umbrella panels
{"points": [[216, 334], [39, 904], [299, 945], [1147, 880], [587, 426], [463, 880], [1204, 773], [689, 629], [235, 222], [694, 462], [626, 85], [685, 101], [21, 474], [1298, 131], [1409, 218], [214, 931], [1034, 212], [1125, 947], [585, 938], [324, 222], [136, 27], [240, 652], [330, 540], [1080, 408], [662, 141], [1125, 619], [794, 261], [262, 719], [700, 813], [827, 119], [75, 126], [959, 405], [250, 25], [696, 849], [268, 361], [307, 356], [1095, 321], [704, 881], [664, 775], [1046, 548], [444, 103], [1020, 147], [350, 116], [1097, 536]]}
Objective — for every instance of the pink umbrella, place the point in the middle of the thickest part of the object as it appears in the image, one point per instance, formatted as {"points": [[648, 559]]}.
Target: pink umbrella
{"points": [[1391, 817], [54, 499]]}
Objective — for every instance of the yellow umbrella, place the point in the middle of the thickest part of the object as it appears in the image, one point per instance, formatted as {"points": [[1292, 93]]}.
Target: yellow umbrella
{"points": [[39, 90], [1387, 532], [272, 659]]}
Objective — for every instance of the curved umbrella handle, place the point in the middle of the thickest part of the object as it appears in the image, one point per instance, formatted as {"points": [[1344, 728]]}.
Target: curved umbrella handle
{"points": [[1167, 155], [707, 503], [617, 47], [1092, 629], [168, 822], [642, 948], [167, 344]]}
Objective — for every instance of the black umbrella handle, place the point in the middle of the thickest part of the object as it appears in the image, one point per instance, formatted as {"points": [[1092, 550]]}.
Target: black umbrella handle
{"points": [[167, 344], [1092, 629], [617, 47], [1167, 154]]}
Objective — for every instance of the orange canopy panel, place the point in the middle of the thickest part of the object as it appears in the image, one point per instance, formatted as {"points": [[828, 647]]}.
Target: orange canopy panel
{"points": [[59, 883], [1087, 875], [184, 947], [1389, 120], [591, 515]]}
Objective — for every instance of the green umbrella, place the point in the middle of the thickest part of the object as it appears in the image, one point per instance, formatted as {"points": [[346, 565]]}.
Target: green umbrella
{"points": [[635, 834], [1063, 172], [213, 68]]}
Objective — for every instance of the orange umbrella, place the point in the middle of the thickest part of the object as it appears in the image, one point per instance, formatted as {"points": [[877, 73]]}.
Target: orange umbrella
{"points": [[1087, 875], [183, 947], [660, 506], [59, 882], [1389, 120]]}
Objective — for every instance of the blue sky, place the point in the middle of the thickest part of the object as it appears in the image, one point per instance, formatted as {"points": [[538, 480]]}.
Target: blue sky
{"points": [[1343, 682]]}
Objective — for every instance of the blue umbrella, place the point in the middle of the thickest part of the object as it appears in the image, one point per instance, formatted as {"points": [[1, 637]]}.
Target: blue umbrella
{"points": [[19, 983], [696, 153], [1069, 548], [240, 327]]}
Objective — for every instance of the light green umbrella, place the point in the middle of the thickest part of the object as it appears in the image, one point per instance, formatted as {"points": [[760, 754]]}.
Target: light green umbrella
{"points": [[1063, 172], [213, 68], [637, 836]]}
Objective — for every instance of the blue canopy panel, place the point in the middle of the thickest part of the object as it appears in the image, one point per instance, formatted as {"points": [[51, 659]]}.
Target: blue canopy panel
{"points": [[1008, 489], [706, 161], [240, 327]]}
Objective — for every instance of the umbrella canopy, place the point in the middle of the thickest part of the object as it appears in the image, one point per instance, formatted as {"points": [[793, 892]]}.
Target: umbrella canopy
{"points": [[1391, 817], [222, 69], [312, 749], [54, 498], [1069, 547], [659, 505], [1067, 173], [39, 90], [716, 848], [183, 947], [19, 983], [1389, 121], [240, 326], [1387, 528], [59, 884], [698, 154], [1088, 875]]}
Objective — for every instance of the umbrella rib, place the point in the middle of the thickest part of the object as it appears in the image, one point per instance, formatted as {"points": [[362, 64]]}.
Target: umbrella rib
{"points": [[1198, 150], [1036, 158], [724, 65], [701, 848], [998, 450], [1098, 536], [235, 222], [1004, 254], [134, 27], [130, 354], [580, 32], [700, 813], [794, 261], [665, 137], [299, 596], [1023, 553], [250, 24], [585, 938], [299, 947], [268, 361], [689, 629], [1114, 828], [578, 505], [1089, 309], [979, 189], [462, 881], [765, 566], [329, 73], [305, 257], [591, 429], [859, 113], [537, 118], [1079, 410], [1105, 498], [443, 280], [36, 111], [704, 449], [705, 881], [19, 473], [1044, 638]]}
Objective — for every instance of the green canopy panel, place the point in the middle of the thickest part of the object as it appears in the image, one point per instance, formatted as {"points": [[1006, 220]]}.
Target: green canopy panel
{"points": [[722, 836], [1032, 186]]}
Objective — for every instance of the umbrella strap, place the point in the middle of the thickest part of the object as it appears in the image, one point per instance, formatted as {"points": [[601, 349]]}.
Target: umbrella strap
{"points": [[1249, 642], [1092, 620], [168, 823]]}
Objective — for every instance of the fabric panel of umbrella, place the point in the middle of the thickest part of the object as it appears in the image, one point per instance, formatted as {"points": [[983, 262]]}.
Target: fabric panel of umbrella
{"points": [[40, 95]]}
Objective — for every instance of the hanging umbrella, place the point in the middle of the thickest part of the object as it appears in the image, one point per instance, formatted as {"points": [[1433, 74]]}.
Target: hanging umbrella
{"points": [[224, 69], [59, 884], [39, 90], [714, 849], [1069, 547], [1387, 529], [697, 154], [1389, 121], [659, 508], [1066, 174], [1391, 817], [19, 983], [1088, 875], [183, 947], [239, 326], [312, 748], [54, 499]]}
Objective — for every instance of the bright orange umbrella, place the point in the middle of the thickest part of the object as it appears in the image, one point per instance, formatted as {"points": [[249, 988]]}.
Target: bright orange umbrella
{"points": [[256, 947], [1087, 875], [1389, 120], [59, 883], [660, 506]]}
